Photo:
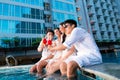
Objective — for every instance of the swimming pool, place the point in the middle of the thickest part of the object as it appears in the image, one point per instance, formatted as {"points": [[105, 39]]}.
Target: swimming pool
{"points": [[16, 73], [22, 73]]}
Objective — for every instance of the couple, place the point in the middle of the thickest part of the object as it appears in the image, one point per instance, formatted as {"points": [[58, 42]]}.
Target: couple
{"points": [[87, 51]]}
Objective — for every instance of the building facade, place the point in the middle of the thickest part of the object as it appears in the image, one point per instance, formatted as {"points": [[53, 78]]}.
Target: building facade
{"points": [[102, 18], [23, 21]]}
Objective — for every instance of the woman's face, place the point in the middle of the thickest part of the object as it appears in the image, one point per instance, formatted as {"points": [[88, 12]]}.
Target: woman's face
{"points": [[62, 29], [57, 32]]}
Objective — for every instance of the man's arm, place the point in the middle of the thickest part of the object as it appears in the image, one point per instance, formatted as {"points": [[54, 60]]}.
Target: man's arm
{"points": [[68, 53], [57, 48]]}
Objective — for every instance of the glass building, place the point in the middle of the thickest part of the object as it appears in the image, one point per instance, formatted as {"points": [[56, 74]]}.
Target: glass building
{"points": [[23, 21]]}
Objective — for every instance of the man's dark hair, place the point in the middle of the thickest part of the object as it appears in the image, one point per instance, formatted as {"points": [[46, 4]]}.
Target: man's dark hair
{"points": [[50, 30], [62, 23], [71, 21]]}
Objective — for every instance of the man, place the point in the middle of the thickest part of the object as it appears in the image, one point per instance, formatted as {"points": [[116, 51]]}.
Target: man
{"points": [[87, 50]]}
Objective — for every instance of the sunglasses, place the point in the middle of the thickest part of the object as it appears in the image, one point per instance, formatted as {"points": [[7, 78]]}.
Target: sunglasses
{"points": [[65, 26]]}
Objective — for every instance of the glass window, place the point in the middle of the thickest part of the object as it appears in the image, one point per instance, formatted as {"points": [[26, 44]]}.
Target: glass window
{"points": [[33, 11], [38, 31], [12, 10], [40, 2], [4, 26], [23, 24], [23, 41], [17, 0], [1, 12], [12, 26], [33, 25], [17, 11], [30, 25], [41, 14], [16, 26], [23, 1], [25, 12], [0, 25], [5, 9], [37, 14], [33, 31]]}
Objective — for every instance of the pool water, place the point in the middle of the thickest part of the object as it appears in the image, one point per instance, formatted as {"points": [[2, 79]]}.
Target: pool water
{"points": [[22, 73], [16, 73]]}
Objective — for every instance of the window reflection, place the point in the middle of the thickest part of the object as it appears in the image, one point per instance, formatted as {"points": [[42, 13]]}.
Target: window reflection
{"points": [[63, 6], [11, 26], [20, 11], [31, 2], [1, 9], [5, 9], [61, 16]]}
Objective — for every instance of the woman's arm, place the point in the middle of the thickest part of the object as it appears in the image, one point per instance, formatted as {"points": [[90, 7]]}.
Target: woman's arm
{"points": [[41, 46]]}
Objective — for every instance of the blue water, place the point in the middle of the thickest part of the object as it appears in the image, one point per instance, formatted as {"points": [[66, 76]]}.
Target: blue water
{"points": [[22, 72], [16, 73], [113, 57]]}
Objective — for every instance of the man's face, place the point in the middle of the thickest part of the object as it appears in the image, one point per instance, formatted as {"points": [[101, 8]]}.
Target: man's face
{"points": [[68, 28], [50, 35]]}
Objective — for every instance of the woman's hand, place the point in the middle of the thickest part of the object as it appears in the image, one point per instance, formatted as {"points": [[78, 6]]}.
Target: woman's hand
{"points": [[51, 49]]}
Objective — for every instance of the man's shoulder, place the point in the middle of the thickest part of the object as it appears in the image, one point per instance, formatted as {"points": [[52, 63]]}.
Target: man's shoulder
{"points": [[79, 29]]}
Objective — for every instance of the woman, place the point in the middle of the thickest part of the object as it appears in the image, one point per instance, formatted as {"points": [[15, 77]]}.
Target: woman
{"points": [[46, 54]]}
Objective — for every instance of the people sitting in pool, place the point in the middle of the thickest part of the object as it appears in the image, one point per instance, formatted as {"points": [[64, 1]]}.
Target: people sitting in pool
{"points": [[46, 54], [87, 50], [55, 64]]}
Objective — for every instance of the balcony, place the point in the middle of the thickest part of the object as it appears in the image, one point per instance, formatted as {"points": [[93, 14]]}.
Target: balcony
{"points": [[47, 12], [108, 2], [110, 8], [115, 10], [99, 13], [113, 3], [92, 22], [77, 9], [97, 5], [102, 1], [91, 13], [89, 6], [100, 20], [110, 29], [48, 24], [102, 29], [112, 15], [46, 1], [104, 6]]}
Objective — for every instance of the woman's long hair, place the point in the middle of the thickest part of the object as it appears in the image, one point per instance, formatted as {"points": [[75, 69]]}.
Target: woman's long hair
{"points": [[64, 35]]}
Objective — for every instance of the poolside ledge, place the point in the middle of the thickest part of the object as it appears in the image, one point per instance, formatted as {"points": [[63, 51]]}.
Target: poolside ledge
{"points": [[108, 71]]}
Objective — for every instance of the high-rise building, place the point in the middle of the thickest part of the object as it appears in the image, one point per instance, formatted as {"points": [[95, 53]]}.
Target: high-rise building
{"points": [[22, 21], [101, 18]]}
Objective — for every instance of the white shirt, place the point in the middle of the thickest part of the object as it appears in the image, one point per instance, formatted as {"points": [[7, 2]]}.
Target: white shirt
{"points": [[85, 45]]}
